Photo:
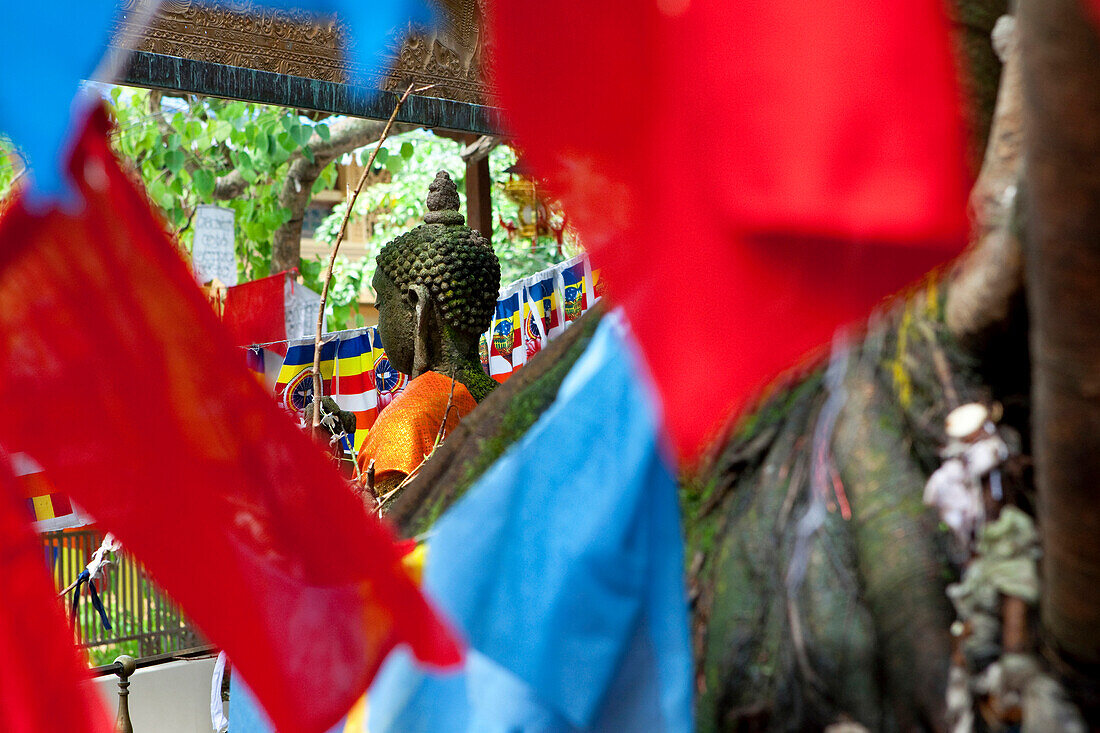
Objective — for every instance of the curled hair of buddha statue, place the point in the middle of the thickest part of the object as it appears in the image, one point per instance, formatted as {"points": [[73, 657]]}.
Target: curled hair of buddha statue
{"points": [[455, 263]]}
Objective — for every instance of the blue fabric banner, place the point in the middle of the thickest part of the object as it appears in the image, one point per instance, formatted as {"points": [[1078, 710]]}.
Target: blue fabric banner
{"points": [[563, 566]]}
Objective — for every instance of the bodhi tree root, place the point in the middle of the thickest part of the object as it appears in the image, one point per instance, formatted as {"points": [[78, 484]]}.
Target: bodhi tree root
{"points": [[801, 617]]}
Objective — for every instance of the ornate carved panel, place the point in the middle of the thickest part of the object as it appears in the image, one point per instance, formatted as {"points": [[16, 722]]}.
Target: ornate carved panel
{"points": [[300, 45]]}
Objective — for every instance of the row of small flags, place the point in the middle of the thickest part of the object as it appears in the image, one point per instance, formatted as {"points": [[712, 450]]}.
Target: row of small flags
{"points": [[533, 310], [359, 377], [354, 371]]}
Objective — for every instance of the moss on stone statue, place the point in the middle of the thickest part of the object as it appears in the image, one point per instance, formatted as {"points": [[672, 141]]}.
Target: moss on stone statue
{"points": [[455, 263]]}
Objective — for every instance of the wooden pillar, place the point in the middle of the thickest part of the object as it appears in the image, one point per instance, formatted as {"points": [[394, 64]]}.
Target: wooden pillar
{"points": [[479, 200], [1060, 50]]}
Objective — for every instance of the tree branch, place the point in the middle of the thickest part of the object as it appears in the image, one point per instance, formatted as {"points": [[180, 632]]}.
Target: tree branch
{"points": [[345, 136], [991, 274]]}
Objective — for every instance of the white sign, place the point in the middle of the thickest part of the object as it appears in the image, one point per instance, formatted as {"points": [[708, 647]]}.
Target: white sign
{"points": [[301, 305], [212, 255]]}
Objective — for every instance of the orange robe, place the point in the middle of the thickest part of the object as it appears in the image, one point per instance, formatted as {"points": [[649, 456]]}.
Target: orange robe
{"points": [[405, 432]]}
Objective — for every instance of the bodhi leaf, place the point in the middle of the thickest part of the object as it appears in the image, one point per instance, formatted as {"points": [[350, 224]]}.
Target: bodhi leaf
{"points": [[203, 182]]}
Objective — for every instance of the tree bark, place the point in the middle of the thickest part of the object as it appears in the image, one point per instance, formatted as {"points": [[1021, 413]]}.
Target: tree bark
{"points": [[1060, 48]]}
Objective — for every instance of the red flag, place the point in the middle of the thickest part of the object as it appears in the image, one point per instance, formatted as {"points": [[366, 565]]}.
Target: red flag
{"points": [[748, 175], [40, 676], [255, 311], [133, 399]]}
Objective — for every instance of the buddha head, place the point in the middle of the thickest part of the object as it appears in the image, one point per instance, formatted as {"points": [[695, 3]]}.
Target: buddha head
{"points": [[436, 289]]}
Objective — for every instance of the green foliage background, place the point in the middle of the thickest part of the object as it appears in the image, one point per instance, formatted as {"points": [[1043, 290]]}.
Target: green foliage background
{"points": [[182, 146]]}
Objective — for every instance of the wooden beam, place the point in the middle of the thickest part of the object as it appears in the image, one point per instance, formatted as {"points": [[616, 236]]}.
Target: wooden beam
{"points": [[479, 200], [187, 76]]}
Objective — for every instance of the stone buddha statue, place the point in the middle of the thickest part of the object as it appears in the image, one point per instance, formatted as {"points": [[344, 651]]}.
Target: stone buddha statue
{"points": [[436, 289]]}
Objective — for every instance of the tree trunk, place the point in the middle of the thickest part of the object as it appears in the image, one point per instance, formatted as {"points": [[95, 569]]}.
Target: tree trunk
{"points": [[1060, 48]]}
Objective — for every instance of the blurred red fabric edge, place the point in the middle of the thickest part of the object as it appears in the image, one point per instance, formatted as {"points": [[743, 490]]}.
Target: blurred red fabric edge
{"points": [[172, 445], [41, 675], [255, 311], [748, 175]]}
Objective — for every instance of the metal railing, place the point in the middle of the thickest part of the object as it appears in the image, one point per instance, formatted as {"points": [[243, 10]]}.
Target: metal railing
{"points": [[144, 621], [125, 665]]}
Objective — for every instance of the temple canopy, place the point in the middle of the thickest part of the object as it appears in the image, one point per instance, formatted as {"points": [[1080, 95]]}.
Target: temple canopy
{"points": [[278, 57]]}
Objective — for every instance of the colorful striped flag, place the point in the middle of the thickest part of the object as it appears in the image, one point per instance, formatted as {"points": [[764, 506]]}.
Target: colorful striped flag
{"points": [[51, 509], [294, 385], [355, 373], [574, 288], [505, 337], [542, 316]]}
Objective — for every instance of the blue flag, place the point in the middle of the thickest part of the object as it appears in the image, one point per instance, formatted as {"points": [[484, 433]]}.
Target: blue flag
{"points": [[46, 48], [563, 566]]}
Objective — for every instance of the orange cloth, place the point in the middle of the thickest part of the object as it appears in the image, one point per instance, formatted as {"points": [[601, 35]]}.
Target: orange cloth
{"points": [[405, 431]]}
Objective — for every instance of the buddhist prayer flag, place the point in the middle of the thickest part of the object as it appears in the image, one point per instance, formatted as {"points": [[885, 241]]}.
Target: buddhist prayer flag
{"points": [[43, 685], [574, 287], [354, 385], [355, 373], [167, 435], [599, 285], [825, 170], [542, 317], [505, 337], [265, 364], [294, 385], [50, 509], [575, 612], [255, 311], [365, 381]]}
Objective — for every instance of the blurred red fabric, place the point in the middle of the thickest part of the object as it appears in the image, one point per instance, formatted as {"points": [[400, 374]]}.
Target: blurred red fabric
{"points": [[41, 675], [255, 311], [121, 383], [748, 175]]}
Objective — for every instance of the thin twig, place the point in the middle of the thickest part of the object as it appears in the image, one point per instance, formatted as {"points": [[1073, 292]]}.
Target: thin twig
{"points": [[68, 588], [332, 257], [446, 413], [370, 481]]}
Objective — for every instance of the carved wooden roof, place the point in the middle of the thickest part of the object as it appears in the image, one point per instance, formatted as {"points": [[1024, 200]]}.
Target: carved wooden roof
{"points": [[258, 54]]}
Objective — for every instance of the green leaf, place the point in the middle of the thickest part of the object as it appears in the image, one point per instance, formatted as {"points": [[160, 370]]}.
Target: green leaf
{"points": [[203, 182], [383, 155], [323, 131], [394, 164], [173, 160], [308, 153], [222, 131], [156, 191], [301, 134], [287, 142], [262, 143], [406, 150]]}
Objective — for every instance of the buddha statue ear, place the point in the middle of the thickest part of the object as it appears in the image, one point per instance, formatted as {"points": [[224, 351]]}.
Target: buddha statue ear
{"points": [[424, 327]]}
